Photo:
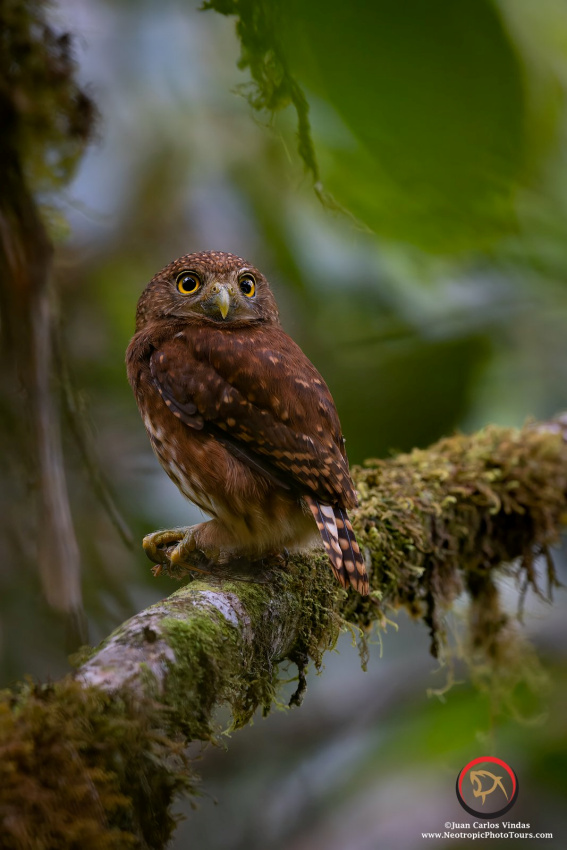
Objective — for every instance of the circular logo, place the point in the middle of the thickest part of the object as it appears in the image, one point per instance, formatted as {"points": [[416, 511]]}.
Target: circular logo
{"points": [[487, 787]]}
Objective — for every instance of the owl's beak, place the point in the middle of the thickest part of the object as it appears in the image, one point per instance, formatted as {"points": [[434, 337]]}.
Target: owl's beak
{"points": [[221, 299]]}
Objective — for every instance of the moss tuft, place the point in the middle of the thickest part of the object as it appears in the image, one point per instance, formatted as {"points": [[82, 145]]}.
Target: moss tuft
{"points": [[79, 768], [437, 522]]}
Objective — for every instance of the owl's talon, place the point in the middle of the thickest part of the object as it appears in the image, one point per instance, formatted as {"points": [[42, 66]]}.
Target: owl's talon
{"points": [[174, 553], [184, 548], [156, 544]]}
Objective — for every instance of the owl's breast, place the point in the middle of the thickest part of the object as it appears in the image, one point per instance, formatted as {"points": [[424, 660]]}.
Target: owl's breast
{"points": [[185, 462]]}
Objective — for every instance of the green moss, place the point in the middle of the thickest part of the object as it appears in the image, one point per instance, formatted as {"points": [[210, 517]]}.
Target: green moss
{"points": [[79, 768], [437, 522], [320, 598], [82, 655], [206, 657], [215, 664]]}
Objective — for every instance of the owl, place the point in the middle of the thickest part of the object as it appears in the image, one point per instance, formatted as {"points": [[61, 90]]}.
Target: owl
{"points": [[240, 420]]}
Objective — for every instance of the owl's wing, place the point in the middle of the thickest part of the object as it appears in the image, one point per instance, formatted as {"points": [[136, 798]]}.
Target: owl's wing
{"points": [[261, 394]]}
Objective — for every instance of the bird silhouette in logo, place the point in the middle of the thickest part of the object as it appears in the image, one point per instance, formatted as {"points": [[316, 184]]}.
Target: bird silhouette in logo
{"points": [[476, 777]]}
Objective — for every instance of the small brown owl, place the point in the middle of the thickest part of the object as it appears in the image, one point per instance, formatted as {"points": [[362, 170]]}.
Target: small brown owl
{"points": [[240, 419]]}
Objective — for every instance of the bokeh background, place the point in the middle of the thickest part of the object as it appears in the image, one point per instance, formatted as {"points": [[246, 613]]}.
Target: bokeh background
{"points": [[435, 299]]}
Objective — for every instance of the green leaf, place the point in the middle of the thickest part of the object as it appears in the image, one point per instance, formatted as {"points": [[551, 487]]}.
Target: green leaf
{"points": [[431, 97]]}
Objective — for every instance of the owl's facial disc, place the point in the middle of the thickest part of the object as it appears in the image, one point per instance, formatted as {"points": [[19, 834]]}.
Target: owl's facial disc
{"points": [[211, 287]]}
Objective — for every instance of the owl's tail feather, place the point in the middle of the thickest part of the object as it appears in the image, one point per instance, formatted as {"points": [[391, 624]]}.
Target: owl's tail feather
{"points": [[340, 544]]}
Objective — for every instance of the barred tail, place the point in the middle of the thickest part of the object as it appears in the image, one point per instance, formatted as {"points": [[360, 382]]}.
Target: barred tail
{"points": [[340, 544]]}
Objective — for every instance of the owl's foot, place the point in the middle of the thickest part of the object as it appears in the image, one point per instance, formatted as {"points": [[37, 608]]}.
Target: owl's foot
{"points": [[175, 552], [181, 552]]}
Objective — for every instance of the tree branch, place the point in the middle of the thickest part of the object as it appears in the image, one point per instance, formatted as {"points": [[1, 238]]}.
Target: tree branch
{"points": [[434, 523]]}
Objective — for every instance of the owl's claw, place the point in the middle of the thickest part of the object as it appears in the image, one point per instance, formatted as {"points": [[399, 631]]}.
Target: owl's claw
{"points": [[184, 549], [174, 552], [159, 544], [179, 552]]}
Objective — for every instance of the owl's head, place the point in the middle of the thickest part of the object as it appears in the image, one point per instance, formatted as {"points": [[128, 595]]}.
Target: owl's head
{"points": [[210, 286]]}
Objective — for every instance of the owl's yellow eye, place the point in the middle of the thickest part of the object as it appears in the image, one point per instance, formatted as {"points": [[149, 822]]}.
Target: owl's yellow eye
{"points": [[247, 285], [188, 283]]}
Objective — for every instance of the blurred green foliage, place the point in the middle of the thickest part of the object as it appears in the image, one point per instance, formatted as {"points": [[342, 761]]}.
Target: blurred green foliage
{"points": [[432, 99], [427, 123]]}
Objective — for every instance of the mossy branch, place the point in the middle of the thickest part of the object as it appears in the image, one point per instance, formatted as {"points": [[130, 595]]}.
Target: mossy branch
{"points": [[97, 759]]}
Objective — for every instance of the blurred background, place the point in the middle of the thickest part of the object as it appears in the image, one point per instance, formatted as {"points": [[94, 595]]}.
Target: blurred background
{"points": [[435, 300]]}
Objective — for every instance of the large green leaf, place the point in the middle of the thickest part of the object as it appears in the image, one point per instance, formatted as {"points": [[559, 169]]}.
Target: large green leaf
{"points": [[431, 93]]}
